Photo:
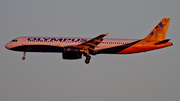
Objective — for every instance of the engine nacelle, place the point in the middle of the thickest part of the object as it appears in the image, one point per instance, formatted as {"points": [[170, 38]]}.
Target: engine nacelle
{"points": [[72, 53]]}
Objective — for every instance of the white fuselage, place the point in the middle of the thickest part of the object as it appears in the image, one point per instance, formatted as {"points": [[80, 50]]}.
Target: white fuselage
{"points": [[64, 41]]}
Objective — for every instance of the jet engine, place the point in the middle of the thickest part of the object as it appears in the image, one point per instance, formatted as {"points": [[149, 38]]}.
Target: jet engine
{"points": [[72, 53]]}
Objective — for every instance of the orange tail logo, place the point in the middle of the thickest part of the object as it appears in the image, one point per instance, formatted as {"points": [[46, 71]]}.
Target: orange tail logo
{"points": [[159, 32]]}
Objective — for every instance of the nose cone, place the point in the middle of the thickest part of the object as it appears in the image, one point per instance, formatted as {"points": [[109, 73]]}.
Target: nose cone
{"points": [[8, 45]]}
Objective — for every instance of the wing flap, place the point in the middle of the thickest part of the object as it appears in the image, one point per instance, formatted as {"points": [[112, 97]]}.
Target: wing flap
{"points": [[92, 43], [97, 40]]}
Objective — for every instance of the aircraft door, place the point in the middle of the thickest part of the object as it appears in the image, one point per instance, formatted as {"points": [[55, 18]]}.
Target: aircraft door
{"points": [[57, 43], [24, 41]]}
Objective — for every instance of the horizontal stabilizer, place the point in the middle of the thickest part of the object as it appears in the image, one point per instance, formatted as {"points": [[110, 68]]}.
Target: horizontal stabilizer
{"points": [[162, 42]]}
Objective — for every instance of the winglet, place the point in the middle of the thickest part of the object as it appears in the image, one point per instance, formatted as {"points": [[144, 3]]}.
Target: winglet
{"points": [[107, 33]]}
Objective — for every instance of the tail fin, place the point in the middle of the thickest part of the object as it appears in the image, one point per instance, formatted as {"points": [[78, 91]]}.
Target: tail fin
{"points": [[159, 32]]}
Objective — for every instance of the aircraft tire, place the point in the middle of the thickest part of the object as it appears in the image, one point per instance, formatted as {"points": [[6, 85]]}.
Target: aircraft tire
{"points": [[87, 61], [88, 57], [23, 58]]}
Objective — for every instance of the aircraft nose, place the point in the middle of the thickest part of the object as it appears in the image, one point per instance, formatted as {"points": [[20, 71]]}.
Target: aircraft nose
{"points": [[8, 45]]}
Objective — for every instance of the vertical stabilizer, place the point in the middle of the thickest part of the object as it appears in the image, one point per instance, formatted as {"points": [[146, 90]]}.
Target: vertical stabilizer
{"points": [[159, 32]]}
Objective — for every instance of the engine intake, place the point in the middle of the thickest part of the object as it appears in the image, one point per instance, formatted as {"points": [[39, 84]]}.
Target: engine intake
{"points": [[72, 53]]}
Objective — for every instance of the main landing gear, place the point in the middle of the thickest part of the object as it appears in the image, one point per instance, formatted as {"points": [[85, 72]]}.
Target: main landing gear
{"points": [[88, 57], [24, 54]]}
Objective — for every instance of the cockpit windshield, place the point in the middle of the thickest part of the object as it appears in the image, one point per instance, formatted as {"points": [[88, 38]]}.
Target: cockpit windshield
{"points": [[14, 41]]}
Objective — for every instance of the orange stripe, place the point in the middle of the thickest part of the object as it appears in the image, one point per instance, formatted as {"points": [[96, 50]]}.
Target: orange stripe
{"points": [[140, 48]]}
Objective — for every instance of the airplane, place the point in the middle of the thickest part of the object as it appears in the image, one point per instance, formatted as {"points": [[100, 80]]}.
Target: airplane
{"points": [[74, 47]]}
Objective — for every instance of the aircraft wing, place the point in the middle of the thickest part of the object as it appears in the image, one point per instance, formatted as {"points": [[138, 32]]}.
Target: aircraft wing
{"points": [[91, 44]]}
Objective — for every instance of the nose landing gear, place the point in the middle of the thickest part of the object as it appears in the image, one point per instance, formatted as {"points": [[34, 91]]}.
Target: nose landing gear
{"points": [[24, 54]]}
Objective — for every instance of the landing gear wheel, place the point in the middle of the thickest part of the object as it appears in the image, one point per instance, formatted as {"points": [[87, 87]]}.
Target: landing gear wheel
{"points": [[88, 57], [24, 54], [23, 58], [87, 61]]}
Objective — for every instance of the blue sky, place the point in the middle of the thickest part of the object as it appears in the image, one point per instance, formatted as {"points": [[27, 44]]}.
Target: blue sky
{"points": [[149, 76]]}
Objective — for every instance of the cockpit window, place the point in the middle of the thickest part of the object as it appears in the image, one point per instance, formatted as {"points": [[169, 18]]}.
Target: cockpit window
{"points": [[14, 41]]}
